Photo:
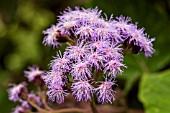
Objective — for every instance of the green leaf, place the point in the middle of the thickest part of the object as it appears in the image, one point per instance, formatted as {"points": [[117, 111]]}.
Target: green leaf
{"points": [[154, 92]]}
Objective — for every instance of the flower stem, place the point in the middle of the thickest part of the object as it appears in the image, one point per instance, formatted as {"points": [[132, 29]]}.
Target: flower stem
{"points": [[43, 97], [37, 107], [69, 110], [93, 105]]}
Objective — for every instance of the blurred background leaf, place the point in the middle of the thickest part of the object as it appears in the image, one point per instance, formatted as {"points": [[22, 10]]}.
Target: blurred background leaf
{"points": [[155, 95]]}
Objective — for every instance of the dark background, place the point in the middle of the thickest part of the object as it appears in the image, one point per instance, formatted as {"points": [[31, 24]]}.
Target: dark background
{"points": [[145, 83]]}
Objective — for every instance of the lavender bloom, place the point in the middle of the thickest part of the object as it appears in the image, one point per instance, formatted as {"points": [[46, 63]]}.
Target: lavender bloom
{"points": [[123, 24], [67, 26], [81, 15], [36, 99], [60, 63], [55, 78], [25, 105], [148, 47], [139, 38], [82, 90], [113, 53], [56, 93], [105, 93], [77, 53], [84, 32], [95, 59], [99, 44], [16, 92], [97, 47], [102, 32], [51, 36], [33, 73], [114, 67], [19, 109], [80, 71], [22, 109], [91, 16]]}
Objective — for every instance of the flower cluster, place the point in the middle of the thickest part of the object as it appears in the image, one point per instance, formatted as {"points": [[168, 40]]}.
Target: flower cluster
{"points": [[20, 92], [87, 25], [99, 46], [89, 65]]}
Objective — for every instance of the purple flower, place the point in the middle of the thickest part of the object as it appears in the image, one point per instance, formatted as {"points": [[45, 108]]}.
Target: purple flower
{"points": [[113, 53], [82, 90], [56, 93], [33, 73], [148, 47], [99, 44], [19, 109], [105, 93], [114, 67], [17, 91], [25, 105], [22, 108], [122, 24], [80, 15], [80, 71], [51, 36], [77, 53], [60, 63], [139, 38], [36, 99], [95, 60], [66, 26], [55, 78], [84, 32]]}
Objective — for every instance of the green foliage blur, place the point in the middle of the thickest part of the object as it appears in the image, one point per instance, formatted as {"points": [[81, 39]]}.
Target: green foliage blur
{"points": [[146, 81]]}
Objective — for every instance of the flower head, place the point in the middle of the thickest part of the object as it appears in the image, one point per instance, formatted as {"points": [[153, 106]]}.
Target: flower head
{"points": [[84, 32], [105, 93], [80, 71], [60, 63], [82, 90], [17, 91], [33, 73], [51, 36], [56, 93], [140, 39], [18, 109], [114, 67], [77, 53], [95, 59], [55, 78], [36, 99], [22, 108]]}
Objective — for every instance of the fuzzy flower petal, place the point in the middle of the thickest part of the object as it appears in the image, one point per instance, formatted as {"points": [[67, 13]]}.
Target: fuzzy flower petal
{"points": [[56, 93], [55, 78], [81, 71], [82, 90], [114, 67], [33, 73], [16, 91], [51, 36], [105, 93]]}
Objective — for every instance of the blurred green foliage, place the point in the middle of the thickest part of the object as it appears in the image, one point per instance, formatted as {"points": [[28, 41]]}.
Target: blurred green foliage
{"points": [[21, 25], [155, 95]]}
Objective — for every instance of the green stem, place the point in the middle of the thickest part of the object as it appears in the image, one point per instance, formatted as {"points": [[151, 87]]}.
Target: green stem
{"points": [[97, 74], [93, 105]]}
